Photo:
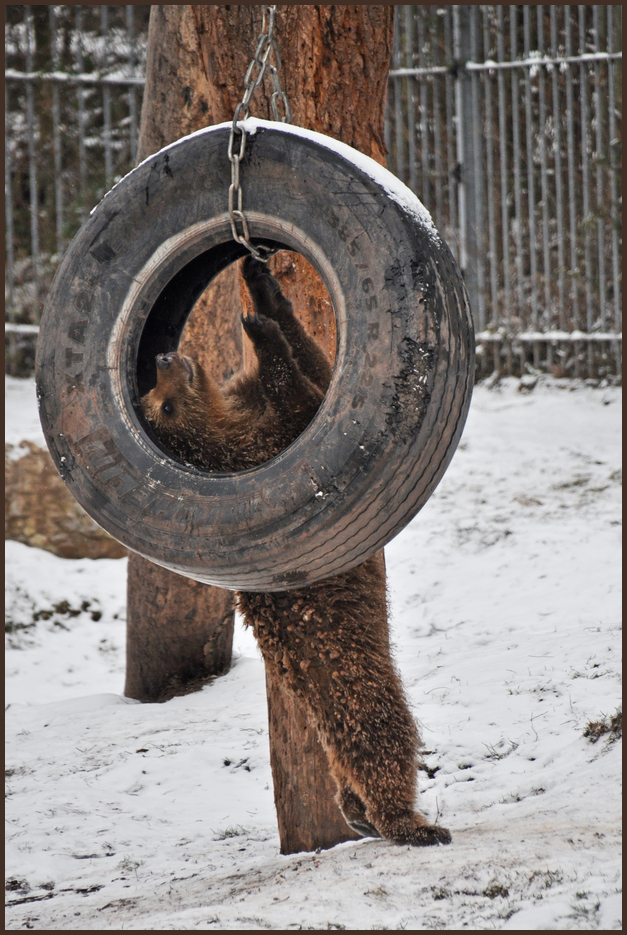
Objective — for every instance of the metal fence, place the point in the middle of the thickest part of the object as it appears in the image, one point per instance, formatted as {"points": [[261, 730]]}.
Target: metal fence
{"points": [[73, 92], [505, 120]]}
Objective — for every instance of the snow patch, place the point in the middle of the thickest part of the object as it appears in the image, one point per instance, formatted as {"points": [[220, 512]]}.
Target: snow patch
{"points": [[395, 189], [505, 599]]}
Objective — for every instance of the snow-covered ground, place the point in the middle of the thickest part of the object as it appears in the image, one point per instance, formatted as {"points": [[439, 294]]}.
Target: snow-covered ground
{"points": [[505, 597]]}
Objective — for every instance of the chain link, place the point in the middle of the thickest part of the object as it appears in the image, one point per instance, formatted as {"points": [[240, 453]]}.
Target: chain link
{"points": [[266, 45]]}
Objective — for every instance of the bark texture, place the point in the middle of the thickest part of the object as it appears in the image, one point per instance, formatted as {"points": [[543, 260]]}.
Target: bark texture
{"points": [[304, 790], [335, 61], [171, 619], [179, 632]]}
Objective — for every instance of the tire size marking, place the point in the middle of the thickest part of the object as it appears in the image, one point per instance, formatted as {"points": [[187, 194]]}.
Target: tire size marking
{"points": [[72, 359], [343, 233], [76, 331], [74, 381], [82, 302], [371, 299]]}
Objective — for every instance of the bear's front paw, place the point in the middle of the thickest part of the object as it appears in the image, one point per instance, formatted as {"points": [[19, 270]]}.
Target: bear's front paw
{"points": [[265, 334], [263, 287], [255, 270], [258, 326]]}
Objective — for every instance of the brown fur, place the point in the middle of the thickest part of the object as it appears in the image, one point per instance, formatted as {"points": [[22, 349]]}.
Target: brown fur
{"points": [[329, 642]]}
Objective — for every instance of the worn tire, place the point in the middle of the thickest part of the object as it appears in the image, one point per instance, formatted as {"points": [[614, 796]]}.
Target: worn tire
{"points": [[399, 395]]}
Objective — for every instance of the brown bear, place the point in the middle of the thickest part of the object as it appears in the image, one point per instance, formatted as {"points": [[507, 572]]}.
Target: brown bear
{"points": [[329, 642]]}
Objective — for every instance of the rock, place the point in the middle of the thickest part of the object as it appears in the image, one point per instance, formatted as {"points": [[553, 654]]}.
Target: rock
{"points": [[40, 511]]}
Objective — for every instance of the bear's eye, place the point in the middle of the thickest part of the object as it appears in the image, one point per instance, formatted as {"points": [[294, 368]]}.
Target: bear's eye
{"points": [[168, 408]]}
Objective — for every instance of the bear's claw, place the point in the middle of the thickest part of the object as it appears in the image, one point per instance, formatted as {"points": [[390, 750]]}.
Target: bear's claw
{"points": [[363, 827], [255, 324]]}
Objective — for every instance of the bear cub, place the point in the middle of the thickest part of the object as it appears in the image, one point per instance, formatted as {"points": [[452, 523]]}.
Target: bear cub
{"points": [[328, 642]]}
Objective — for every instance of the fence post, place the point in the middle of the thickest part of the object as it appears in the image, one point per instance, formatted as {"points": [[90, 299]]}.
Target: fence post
{"points": [[467, 158]]}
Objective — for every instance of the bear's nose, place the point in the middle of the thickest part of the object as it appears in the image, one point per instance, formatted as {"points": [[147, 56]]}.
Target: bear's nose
{"points": [[164, 360]]}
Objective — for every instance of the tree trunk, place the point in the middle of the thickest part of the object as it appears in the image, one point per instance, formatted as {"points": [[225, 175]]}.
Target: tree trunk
{"points": [[171, 619], [335, 61]]}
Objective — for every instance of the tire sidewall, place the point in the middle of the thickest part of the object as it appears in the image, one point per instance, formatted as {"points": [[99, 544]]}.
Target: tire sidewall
{"points": [[374, 452]]}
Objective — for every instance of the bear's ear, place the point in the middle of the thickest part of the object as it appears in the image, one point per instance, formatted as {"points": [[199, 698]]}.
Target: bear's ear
{"points": [[189, 367]]}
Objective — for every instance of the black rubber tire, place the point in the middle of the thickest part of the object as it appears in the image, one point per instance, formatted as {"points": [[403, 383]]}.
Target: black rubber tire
{"points": [[392, 416]]}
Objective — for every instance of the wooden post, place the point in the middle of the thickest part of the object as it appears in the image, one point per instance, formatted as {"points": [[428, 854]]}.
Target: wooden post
{"points": [[335, 61], [304, 790], [180, 632]]}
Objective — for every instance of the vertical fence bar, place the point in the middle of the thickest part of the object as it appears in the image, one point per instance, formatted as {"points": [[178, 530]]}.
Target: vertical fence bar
{"points": [[462, 149], [547, 312], [453, 235], [424, 116], [32, 155], [612, 172], [572, 191], [544, 182], [106, 97], [82, 155], [465, 155], [459, 145], [130, 33], [437, 137], [410, 88], [490, 168], [516, 153], [531, 186], [8, 213], [585, 175], [598, 157], [503, 161], [477, 234], [56, 135], [559, 202]]}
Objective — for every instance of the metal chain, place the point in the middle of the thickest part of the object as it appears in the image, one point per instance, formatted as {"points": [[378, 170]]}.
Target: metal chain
{"points": [[266, 45]]}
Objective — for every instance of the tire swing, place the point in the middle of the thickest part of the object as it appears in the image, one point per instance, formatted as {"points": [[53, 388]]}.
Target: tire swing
{"points": [[396, 405]]}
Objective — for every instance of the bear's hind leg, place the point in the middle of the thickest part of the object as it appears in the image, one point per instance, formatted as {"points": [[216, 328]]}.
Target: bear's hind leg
{"points": [[374, 762], [384, 805]]}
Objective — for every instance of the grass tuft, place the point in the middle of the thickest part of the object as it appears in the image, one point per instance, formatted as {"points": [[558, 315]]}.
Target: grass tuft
{"points": [[610, 726]]}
